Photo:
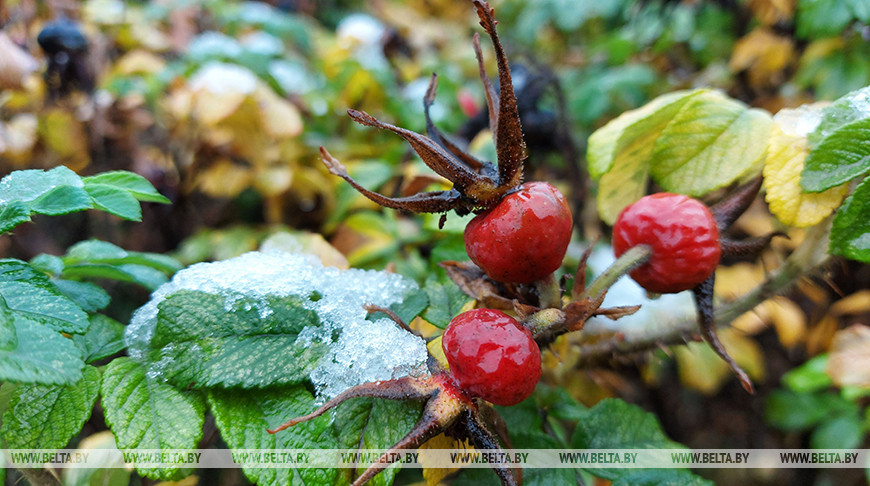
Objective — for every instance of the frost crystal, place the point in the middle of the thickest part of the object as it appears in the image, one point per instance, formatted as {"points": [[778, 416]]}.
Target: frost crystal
{"points": [[362, 351]]}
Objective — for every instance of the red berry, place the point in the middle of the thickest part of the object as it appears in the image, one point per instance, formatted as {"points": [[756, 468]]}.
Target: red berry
{"points": [[682, 234], [524, 237], [492, 356]]}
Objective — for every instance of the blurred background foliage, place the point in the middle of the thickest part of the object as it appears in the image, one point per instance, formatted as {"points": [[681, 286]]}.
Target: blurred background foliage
{"points": [[222, 105]]}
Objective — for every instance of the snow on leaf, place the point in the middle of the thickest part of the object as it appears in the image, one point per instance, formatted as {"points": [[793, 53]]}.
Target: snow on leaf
{"points": [[356, 350]]}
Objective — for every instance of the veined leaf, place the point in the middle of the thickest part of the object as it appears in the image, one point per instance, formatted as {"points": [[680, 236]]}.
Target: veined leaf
{"points": [[614, 424], [786, 155], [136, 185], [48, 416], [31, 294], [96, 251], [12, 214], [146, 414], [61, 191], [200, 342], [39, 354], [90, 297], [243, 419], [850, 236], [115, 201], [839, 158], [689, 142], [104, 338], [369, 423]]}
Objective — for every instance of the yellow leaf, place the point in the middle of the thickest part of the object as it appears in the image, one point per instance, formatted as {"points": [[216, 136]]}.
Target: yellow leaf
{"points": [[849, 361], [279, 117], [857, 303], [224, 179], [786, 153], [271, 181], [786, 316], [64, 135], [139, 62], [770, 12], [736, 280], [437, 352], [764, 55], [219, 89], [700, 368], [435, 475]]}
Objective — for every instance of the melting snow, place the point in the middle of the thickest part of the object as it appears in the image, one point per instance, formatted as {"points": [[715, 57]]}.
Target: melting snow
{"points": [[364, 351]]}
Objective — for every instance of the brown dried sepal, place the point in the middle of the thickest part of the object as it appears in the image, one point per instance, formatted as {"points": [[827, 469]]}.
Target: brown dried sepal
{"points": [[447, 410], [477, 184]]}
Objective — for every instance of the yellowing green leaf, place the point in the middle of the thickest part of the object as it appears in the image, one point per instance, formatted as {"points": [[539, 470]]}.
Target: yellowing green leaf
{"points": [[711, 142], [689, 142], [788, 149]]}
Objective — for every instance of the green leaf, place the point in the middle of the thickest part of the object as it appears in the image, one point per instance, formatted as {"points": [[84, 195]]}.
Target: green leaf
{"points": [[96, 251], [841, 432], [29, 293], [29, 185], [41, 355], [138, 274], [198, 341], [88, 296], [689, 142], [104, 338], [61, 200], [840, 157], [136, 185], [146, 414], [50, 264], [369, 423], [115, 201], [615, 424], [850, 235], [12, 214], [710, 143], [413, 304], [445, 301], [48, 416], [860, 9], [792, 411], [243, 419], [809, 377], [822, 18]]}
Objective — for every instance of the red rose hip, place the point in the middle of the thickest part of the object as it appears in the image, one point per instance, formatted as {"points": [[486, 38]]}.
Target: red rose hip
{"points": [[524, 237], [683, 237], [492, 356]]}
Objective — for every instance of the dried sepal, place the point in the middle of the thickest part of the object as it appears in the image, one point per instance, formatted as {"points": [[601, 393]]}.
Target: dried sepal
{"points": [[477, 185], [726, 211], [704, 302]]}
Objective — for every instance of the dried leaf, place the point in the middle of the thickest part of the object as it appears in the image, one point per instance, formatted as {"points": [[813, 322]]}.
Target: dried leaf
{"points": [[16, 64], [476, 284], [857, 303], [849, 360], [700, 368], [764, 55], [139, 62], [224, 179]]}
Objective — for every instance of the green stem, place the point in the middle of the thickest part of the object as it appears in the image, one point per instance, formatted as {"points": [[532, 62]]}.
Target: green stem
{"points": [[629, 260], [549, 293]]}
